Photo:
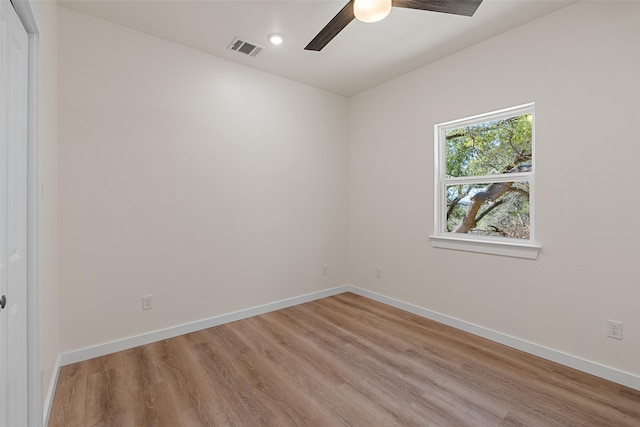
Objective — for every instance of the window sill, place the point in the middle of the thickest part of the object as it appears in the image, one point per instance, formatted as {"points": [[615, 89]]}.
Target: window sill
{"points": [[510, 249]]}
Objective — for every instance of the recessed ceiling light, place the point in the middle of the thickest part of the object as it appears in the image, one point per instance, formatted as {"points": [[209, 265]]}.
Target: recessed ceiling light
{"points": [[276, 38]]}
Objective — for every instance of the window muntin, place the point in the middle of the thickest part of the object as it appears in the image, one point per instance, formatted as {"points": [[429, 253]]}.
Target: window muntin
{"points": [[484, 177]]}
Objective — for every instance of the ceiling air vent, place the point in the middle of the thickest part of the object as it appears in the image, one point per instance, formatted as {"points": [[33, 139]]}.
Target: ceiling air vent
{"points": [[247, 48]]}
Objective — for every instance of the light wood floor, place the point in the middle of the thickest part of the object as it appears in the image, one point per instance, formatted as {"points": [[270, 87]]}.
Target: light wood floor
{"points": [[343, 360]]}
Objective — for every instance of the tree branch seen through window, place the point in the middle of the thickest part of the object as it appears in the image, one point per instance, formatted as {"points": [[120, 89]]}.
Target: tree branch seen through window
{"points": [[486, 176]]}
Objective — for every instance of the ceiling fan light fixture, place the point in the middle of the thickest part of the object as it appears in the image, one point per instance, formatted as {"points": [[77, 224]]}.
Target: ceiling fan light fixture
{"points": [[371, 10]]}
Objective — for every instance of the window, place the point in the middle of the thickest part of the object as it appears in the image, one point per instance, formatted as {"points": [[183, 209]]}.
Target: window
{"points": [[484, 183]]}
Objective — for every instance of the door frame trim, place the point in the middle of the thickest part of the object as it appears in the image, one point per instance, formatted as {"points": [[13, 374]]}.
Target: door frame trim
{"points": [[34, 186]]}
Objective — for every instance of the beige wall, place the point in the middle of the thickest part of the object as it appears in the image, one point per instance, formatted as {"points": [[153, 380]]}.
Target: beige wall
{"points": [[581, 67], [216, 187], [210, 185], [46, 18]]}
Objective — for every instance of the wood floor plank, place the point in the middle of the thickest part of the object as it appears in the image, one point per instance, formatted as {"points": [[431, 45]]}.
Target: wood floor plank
{"points": [[182, 375], [69, 400], [343, 360], [318, 386]]}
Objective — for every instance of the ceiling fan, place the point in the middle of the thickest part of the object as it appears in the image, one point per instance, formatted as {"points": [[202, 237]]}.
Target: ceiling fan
{"points": [[376, 10]]}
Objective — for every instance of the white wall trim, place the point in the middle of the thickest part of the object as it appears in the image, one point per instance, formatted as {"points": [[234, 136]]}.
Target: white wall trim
{"points": [[34, 288], [624, 378], [138, 340], [620, 377], [512, 249], [51, 392]]}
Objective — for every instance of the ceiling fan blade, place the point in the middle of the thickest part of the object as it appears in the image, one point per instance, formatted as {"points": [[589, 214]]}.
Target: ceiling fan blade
{"points": [[456, 7], [332, 29]]}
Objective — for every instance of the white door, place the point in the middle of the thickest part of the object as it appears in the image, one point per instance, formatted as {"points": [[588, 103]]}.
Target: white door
{"points": [[13, 218]]}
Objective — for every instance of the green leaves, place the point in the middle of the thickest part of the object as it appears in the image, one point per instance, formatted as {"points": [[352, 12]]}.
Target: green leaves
{"points": [[489, 148], [494, 148]]}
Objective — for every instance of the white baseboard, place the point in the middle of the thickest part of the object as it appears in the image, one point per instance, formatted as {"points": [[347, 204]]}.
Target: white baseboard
{"points": [[150, 337], [48, 401], [602, 371], [624, 378]]}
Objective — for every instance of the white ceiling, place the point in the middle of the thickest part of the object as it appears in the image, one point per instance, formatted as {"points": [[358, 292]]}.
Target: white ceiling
{"points": [[360, 57]]}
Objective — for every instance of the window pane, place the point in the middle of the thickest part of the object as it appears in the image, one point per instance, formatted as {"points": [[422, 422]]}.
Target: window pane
{"points": [[495, 147], [497, 209]]}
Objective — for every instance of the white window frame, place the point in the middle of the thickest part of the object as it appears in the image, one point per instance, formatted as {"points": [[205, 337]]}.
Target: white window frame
{"points": [[520, 248]]}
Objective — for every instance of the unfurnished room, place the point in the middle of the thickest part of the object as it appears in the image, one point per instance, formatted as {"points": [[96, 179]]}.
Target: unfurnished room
{"points": [[319, 213]]}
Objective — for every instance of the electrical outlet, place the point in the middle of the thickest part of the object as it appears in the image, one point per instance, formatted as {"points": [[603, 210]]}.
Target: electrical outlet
{"points": [[147, 302], [325, 270], [379, 272], [614, 329]]}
